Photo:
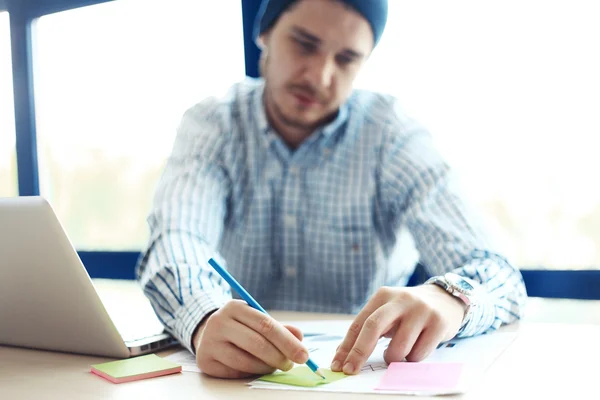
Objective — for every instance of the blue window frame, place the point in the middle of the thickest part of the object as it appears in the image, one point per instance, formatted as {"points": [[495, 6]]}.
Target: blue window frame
{"points": [[581, 284]]}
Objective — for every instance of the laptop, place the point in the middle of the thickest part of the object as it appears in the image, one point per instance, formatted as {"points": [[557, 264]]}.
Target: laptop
{"points": [[49, 302]]}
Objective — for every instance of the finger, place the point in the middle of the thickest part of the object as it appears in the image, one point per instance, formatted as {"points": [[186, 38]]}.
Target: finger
{"points": [[274, 332], [295, 331], [405, 337], [374, 327], [390, 334], [240, 360], [426, 343], [219, 370], [257, 345], [344, 348]]}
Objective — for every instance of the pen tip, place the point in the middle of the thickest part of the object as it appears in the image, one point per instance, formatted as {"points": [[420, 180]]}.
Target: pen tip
{"points": [[318, 372]]}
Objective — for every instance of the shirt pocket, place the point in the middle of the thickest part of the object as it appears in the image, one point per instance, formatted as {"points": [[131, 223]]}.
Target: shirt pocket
{"points": [[346, 248], [355, 239]]}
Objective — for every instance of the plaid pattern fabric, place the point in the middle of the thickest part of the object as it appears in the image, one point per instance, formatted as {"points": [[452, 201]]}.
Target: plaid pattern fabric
{"points": [[315, 229]]}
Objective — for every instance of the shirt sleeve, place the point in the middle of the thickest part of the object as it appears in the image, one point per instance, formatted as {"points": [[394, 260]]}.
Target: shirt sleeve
{"points": [[420, 192], [186, 222]]}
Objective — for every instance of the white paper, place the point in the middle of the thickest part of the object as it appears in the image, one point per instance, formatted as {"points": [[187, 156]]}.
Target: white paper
{"points": [[186, 359], [323, 337], [476, 353], [328, 327]]}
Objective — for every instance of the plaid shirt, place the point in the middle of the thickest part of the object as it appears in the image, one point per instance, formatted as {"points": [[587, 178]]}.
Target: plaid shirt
{"points": [[317, 228]]}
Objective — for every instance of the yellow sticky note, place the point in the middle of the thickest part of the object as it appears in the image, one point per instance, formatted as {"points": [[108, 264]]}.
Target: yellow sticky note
{"points": [[303, 376], [134, 369]]}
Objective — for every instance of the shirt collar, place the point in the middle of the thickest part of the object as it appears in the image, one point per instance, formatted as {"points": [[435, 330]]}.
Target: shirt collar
{"points": [[259, 108]]}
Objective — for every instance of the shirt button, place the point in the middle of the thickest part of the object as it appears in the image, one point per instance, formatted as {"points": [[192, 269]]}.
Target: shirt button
{"points": [[290, 272], [293, 171], [290, 221]]}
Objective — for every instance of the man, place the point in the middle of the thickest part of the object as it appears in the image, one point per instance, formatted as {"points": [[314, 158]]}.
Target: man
{"points": [[300, 186]]}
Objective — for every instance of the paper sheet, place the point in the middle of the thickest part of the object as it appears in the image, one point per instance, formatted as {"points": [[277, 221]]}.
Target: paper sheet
{"points": [[186, 359], [476, 354], [323, 337]]}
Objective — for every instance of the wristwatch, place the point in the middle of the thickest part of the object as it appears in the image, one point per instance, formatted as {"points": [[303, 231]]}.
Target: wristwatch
{"points": [[458, 286]]}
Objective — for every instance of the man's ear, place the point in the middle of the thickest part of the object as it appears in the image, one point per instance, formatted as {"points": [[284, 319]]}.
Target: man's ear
{"points": [[263, 41], [260, 42]]}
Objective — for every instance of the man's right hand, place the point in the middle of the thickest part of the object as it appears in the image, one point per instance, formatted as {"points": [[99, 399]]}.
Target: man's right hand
{"points": [[238, 341]]}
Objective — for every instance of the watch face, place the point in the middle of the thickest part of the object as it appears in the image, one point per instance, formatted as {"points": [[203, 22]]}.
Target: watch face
{"points": [[460, 282]]}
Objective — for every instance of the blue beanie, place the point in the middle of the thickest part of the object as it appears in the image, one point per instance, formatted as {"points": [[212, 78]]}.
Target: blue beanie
{"points": [[374, 11]]}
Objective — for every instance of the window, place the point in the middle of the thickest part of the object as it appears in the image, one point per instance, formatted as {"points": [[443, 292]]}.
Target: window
{"points": [[8, 155], [112, 82], [510, 91]]}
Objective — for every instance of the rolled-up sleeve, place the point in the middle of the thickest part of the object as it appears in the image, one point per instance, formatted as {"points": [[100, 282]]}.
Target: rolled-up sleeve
{"points": [[186, 222], [420, 192]]}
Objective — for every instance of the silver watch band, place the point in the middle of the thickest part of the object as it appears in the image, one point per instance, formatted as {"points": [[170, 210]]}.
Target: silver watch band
{"points": [[459, 287]]}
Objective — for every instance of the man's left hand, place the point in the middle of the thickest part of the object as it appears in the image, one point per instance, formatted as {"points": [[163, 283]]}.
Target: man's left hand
{"points": [[417, 319]]}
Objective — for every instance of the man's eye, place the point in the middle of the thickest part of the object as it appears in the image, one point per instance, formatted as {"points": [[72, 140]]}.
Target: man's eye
{"points": [[307, 47], [344, 60]]}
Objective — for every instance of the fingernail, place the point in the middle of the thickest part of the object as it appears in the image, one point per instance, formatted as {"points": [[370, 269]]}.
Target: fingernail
{"points": [[336, 366], [288, 365], [301, 357], [348, 368]]}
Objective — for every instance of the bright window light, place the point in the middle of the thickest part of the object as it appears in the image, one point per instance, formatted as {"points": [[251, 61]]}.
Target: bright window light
{"points": [[510, 91], [8, 155], [111, 84]]}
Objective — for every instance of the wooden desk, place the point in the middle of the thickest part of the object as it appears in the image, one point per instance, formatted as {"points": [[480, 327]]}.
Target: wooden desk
{"points": [[547, 360]]}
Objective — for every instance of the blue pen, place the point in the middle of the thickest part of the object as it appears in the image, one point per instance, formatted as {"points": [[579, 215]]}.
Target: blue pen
{"points": [[252, 303]]}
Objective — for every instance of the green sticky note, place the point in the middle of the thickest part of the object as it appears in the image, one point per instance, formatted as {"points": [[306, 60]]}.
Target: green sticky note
{"points": [[133, 369], [303, 376]]}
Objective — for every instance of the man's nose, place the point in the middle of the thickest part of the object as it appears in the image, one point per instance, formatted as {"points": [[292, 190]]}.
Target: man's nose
{"points": [[321, 72]]}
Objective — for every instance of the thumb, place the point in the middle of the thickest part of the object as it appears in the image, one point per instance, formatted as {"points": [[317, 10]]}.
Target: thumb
{"points": [[295, 331]]}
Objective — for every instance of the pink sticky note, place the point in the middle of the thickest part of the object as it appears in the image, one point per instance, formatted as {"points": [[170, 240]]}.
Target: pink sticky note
{"points": [[421, 376]]}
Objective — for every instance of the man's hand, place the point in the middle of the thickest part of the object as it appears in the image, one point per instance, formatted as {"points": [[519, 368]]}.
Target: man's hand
{"points": [[417, 319], [238, 341]]}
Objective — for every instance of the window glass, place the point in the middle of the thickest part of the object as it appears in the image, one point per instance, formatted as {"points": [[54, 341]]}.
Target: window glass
{"points": [[8, 155], [112, 82], [510, 91]]}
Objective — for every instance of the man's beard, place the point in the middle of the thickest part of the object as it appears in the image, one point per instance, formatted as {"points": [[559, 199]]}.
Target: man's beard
{"points": [[294, 123], [288, 121]]}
